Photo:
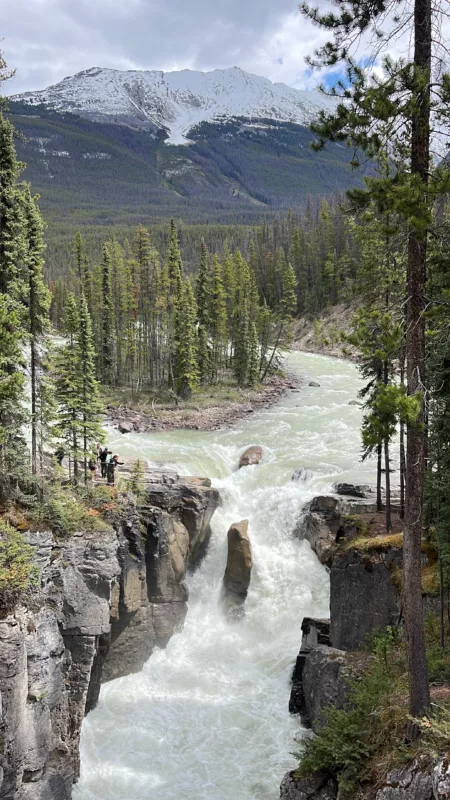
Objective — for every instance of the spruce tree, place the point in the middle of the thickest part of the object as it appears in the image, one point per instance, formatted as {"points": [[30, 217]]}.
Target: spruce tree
{"points": [[38, 320], [175, 293], [107, 358], [253, 357], [203, 292], [13, 304], [217, 318], [289, 291], [81, 263], [203, 288], [185, 360], [68, 387], [242, 346], [89, 407]]}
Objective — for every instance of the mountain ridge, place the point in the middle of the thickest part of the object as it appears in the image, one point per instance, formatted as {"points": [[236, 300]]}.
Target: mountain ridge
{"points": [[177, 101]]}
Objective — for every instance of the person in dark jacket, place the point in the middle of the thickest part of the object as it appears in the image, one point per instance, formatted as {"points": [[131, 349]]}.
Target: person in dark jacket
{"points": [[113, 463], [59, 454], [102, 458]]}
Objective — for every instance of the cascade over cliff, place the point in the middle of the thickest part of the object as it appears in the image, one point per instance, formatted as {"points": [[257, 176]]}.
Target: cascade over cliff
{"points": [[104, 601]]}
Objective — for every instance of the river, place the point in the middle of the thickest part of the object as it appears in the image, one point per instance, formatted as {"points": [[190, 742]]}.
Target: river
{"points": [[207, 718]]}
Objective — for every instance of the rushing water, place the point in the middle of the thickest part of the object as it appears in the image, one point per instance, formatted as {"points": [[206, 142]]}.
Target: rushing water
{"points": [[207, 718]]}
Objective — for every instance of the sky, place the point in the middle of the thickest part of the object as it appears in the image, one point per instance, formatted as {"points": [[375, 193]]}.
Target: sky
{"points": [[45, 40]]}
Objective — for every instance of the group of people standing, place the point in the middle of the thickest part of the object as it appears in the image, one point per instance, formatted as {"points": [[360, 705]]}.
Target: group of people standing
{"points": [[105, 462], [108, 464]]}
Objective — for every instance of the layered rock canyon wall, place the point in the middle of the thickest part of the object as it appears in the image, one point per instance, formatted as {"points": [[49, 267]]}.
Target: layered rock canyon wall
{"points": [[105, 600]]}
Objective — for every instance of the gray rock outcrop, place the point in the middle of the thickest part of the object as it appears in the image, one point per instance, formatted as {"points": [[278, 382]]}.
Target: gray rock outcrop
{"points": [[318, 787], [441, 779], [105, 599], [321, 525], [413, 782], [327, 677], [252, 455], [363, 596], [236, 579], [314, 632]]}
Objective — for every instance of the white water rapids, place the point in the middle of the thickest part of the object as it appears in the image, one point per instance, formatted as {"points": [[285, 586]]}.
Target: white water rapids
{"points": [[207, 718]]}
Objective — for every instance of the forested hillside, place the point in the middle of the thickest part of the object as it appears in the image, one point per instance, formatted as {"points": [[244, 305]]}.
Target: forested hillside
{"points": [[95, 174]]}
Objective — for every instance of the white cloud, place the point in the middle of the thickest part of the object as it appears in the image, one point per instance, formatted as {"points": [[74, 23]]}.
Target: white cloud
{"points": [[45, 40]]}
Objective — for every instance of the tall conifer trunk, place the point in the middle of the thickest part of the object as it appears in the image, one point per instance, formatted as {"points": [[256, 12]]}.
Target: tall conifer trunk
{"points": [[33, 380], [419, 692]]}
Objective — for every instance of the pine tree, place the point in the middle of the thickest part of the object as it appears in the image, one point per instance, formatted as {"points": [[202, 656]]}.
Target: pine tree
{"points": [[13, 305], [68, 386], [253, 358], [217, 315], [185, 361], [203, 288], [203, 291], [38, 319], [79, 408], [81, 265], [289, 292], [107, 358], [89, 401], [175, 292], [242, 347]]}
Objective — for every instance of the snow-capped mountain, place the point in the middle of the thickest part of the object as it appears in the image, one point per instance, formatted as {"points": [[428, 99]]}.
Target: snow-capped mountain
{"points": [[176, 101]]}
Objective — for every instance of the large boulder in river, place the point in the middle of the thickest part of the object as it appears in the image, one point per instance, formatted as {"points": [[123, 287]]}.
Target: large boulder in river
{"points": [[314, 384], [125, 426], [238, 571], [252, 455]]}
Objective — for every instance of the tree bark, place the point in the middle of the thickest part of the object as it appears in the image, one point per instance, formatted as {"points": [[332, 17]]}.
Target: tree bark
{"points": [[379, 475], [33, 379], [402, 444], [388, 487], [419, 692]]}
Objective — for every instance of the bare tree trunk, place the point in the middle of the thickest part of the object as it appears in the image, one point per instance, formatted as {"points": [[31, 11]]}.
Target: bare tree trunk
{"points": [[388, 487], [402, 445], [75, 456], [273, 353], [379, 474], [441, 603], [33, 369], [419, 691]]}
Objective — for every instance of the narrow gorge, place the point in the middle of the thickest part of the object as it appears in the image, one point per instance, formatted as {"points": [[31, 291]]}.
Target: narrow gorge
{"points": [[207, 715]]}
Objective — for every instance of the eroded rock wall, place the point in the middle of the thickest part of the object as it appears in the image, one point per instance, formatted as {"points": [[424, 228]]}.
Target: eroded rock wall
{"points": [[105, 599]]}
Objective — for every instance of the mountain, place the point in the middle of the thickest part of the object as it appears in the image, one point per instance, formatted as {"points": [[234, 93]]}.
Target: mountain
{"points": [[176, 101], [104, 147]]}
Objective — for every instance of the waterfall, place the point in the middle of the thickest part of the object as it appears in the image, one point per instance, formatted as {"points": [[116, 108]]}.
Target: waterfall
{"points": [[207, 718]]}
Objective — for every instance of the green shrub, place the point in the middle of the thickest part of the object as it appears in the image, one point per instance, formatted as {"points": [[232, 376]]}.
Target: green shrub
{"points": [[64, 512], [17, 571], [435, 730]]}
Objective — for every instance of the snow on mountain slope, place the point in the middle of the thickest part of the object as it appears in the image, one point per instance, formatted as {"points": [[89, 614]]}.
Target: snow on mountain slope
{"points": [[176, 101]]}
